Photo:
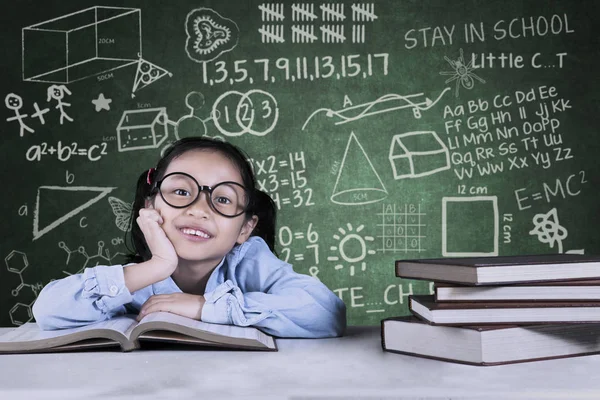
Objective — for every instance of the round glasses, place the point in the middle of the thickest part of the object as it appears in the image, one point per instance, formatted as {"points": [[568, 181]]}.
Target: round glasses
{"points": [[180, 190]]}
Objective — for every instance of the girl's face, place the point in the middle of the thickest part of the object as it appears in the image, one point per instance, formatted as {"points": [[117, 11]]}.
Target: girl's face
{"points": [[197, 232]]}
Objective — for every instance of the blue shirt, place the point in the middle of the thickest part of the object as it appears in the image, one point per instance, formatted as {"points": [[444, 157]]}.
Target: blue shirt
{"points": [[250, 286]]}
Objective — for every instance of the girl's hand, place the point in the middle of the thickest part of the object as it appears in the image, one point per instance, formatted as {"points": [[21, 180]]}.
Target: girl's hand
{"points": [[184, 304], [160, 246]]}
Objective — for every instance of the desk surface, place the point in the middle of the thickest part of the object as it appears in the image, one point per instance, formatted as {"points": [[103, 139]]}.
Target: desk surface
{"points": [[351, 367]]}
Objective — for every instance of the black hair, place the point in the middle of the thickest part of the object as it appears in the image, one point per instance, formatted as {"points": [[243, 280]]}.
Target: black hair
{"points": [[260, 203]]}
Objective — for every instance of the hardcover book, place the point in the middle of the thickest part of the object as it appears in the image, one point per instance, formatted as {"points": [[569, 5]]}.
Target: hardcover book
{"points": [[493, 312], [501, 269], [574, 290], [488, 345], [126, 333]]}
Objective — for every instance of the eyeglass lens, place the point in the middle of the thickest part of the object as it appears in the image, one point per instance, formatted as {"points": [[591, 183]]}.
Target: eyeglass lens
{"points": [[227, 198]]}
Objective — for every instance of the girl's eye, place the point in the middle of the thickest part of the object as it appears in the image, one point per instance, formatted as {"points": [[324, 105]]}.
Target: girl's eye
{"points": [[181, 192], [222, 200]]}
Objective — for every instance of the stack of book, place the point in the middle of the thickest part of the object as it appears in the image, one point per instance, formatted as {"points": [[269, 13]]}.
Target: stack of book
{"points": [[497, 310]]}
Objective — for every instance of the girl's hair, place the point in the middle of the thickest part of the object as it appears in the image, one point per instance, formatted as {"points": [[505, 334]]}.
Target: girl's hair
{"points": [[260, 203]]}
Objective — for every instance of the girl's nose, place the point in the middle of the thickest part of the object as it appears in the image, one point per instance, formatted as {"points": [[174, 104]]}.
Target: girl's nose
{"points": [[201, 206]]}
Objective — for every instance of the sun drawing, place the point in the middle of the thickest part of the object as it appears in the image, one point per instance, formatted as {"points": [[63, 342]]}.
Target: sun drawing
{"points": [[352, 248]]}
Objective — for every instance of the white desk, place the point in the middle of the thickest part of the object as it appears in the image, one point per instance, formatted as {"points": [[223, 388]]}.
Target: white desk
{"points": [[351, 367]]}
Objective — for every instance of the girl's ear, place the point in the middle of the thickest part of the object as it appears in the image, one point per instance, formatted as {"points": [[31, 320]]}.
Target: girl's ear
{"points": [[247, 229]]}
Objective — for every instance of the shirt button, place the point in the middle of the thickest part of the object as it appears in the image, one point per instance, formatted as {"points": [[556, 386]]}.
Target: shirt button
{"points": [[114, 289]]}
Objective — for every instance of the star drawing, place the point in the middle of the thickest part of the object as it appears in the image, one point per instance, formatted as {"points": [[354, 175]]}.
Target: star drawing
{"points": [[102, 103]]}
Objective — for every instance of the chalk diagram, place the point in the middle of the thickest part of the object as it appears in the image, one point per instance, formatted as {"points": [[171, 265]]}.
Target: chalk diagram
{"points": [[79, 259], [416, 154], [357, 182], [352, 248], [14, 102], [255, 112], [16, 263], [148, 128], [457, 213], [58, 93], [462, 73], [146, 74], [209, 35], [142, 129], [401, 228], [122, 211], [191, 124], [87, 43], [549, 230], [54, 93], [101, 103], [55, 197], [304, 19], [383, 104]]}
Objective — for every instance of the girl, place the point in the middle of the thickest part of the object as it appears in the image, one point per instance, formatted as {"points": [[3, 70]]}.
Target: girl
{"points": [[204, 243]]}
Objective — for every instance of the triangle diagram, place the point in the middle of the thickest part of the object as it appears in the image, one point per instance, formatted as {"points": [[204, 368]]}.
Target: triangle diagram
{"points": [[357, 181], [50, 203], [146, 74]]}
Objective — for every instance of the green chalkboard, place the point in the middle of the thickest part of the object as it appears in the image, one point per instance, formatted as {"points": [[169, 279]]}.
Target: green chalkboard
{"points": [[383, 130]]}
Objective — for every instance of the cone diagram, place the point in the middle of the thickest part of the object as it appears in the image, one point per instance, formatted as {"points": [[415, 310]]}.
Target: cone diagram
{"points": [[357, 181]]}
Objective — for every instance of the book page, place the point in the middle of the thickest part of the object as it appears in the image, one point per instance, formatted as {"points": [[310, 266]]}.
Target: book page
{"points": [[217, 329], [32, 332]]}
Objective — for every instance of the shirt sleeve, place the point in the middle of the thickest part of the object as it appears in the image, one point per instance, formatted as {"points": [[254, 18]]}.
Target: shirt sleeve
{"points": [[97, 294], [289, 305]]}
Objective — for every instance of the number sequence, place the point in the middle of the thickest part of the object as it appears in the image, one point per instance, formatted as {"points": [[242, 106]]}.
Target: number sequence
{"points": [[290, 70]]}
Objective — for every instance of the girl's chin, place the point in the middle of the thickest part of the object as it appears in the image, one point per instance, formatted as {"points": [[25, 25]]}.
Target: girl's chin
{"points": [[194, 254]]}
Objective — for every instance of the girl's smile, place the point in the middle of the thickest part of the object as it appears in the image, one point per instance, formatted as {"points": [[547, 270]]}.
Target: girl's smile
{"points": [[195, 233]]}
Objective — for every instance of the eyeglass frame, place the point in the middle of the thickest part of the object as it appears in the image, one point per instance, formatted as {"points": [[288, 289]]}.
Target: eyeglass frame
{"points": [[201, 188]]}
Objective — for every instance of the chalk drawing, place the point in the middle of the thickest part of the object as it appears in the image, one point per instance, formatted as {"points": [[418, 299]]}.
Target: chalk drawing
{"points": [[86, 43], [357, 181], [97, 192], [209, 35]]}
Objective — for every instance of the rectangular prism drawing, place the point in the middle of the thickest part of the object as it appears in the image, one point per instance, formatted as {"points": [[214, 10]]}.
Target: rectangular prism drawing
{"points": [[470, 226], [81, 44], [416, 154], [142, 129]]}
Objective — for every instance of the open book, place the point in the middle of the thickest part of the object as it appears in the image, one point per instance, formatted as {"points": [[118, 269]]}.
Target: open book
{"points": [[127, 333]]}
